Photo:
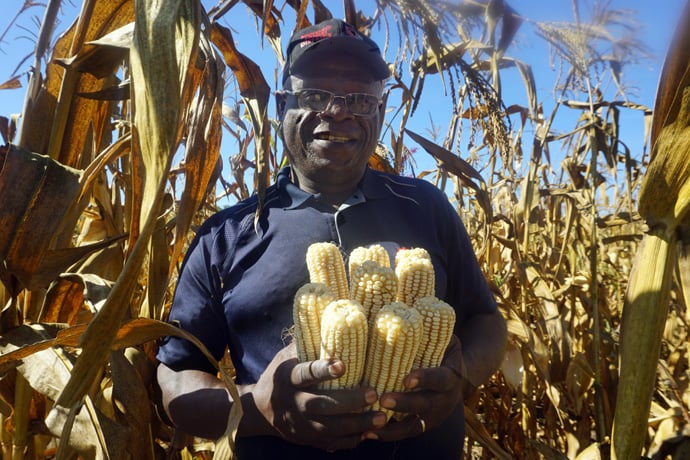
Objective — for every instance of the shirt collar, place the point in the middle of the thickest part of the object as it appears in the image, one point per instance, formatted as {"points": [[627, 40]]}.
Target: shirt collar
{"points": [[293, 197], [372, 185]]}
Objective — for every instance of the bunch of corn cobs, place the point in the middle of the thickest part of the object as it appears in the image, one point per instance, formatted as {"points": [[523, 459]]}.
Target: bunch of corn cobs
{"points": [[386, 322]]}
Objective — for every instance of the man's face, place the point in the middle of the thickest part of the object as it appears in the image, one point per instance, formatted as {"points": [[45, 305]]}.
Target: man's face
{"points": [[329, 150]]}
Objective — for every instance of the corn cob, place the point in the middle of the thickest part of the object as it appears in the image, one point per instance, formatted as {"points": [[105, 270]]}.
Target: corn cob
{"points": [[309, 303], [373, 286], [416, 278], [393, 345], [326, 265], [375, 252], [344, 337], [439, 320], [410, 253]]}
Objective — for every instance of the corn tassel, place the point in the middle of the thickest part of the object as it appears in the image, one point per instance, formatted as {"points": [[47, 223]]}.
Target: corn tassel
{"points": [[326, 265], [393, 345], [375, 252], [344, 337], [438, 319], [310, 302], [373, 286], [416, 278]]}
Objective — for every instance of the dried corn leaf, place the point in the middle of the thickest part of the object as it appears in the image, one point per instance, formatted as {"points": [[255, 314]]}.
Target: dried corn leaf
{"points": [[73, 298], [469, 176], [166, 36], [37, 192], [561, 342], [255, 93], [578, 381], [132, 404], [674, 78], [75, 117], [478, 432], [270, 23], [57, 120], [665, 203], [47, 371], [166, 40], [102, 56], [202, 149], [642, 325], [158, 265], [513, 367], [683, 268], [12, 83], [57, 261], [592, 452]]}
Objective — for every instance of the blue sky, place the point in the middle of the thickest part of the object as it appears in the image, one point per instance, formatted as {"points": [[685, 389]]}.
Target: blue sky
{"points": [[657, 20]]}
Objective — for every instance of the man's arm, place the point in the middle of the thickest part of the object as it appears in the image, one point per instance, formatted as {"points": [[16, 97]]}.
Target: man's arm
{"points": [[483, 338], [285, 402], [199, 404]]}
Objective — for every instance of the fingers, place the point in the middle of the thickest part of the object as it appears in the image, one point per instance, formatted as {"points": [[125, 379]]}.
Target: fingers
{"points": [[437, 379], [312, 372], [354, 424], [411, 425], [343, 431], [432, 394], [415, 402], [334, 402], [453, 358]]}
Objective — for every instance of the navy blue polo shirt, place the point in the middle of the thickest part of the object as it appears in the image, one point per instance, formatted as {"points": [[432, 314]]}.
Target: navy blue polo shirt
{"points": [[237, 283]]}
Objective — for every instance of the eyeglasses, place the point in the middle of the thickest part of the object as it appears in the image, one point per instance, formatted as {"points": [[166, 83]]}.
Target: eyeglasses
{"points": [[318, 100]]}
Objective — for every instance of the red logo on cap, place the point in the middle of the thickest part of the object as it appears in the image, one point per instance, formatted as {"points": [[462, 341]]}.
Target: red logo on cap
{"points": [[317, 35]]}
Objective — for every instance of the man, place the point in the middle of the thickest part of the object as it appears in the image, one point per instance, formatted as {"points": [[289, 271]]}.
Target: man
{"points": [[237, 284]]}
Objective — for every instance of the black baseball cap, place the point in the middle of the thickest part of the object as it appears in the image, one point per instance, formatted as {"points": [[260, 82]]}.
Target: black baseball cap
{"points": [[334, 36]]}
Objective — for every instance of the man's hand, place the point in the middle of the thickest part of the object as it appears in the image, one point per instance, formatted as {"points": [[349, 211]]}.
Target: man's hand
{"points": [[431, 397], [288, 397]]}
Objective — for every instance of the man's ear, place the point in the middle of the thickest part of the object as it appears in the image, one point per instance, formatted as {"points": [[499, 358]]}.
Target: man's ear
{"points": [[382, 109], [281, 103]]}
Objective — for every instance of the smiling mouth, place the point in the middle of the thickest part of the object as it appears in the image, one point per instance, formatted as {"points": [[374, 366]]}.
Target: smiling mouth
{"points": [[331, 138]]}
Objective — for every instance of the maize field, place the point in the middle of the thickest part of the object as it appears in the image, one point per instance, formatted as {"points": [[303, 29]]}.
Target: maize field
{"points": [[141, 118]]}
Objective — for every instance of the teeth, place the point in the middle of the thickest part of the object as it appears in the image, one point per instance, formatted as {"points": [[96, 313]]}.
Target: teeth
{"points": [[332, 138]]}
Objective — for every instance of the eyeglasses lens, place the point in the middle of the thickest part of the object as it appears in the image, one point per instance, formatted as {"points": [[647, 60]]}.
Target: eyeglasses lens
{"points": [[319, 100]]}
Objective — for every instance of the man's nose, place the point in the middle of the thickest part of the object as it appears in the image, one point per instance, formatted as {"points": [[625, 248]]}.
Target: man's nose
{"points": [[338, 108]]}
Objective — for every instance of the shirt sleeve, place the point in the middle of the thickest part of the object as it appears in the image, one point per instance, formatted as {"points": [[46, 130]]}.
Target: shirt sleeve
{"points": [[197, 308], [468, 289]]}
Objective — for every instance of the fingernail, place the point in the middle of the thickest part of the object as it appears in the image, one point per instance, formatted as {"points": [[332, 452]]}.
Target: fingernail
{"points": [[370, 396], [379, 420], [412, 383], [388, 403], [370, 435], [335, 368]]}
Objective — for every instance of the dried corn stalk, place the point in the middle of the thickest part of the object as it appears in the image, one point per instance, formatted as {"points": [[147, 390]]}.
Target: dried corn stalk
{"points": [[665, 204]]}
